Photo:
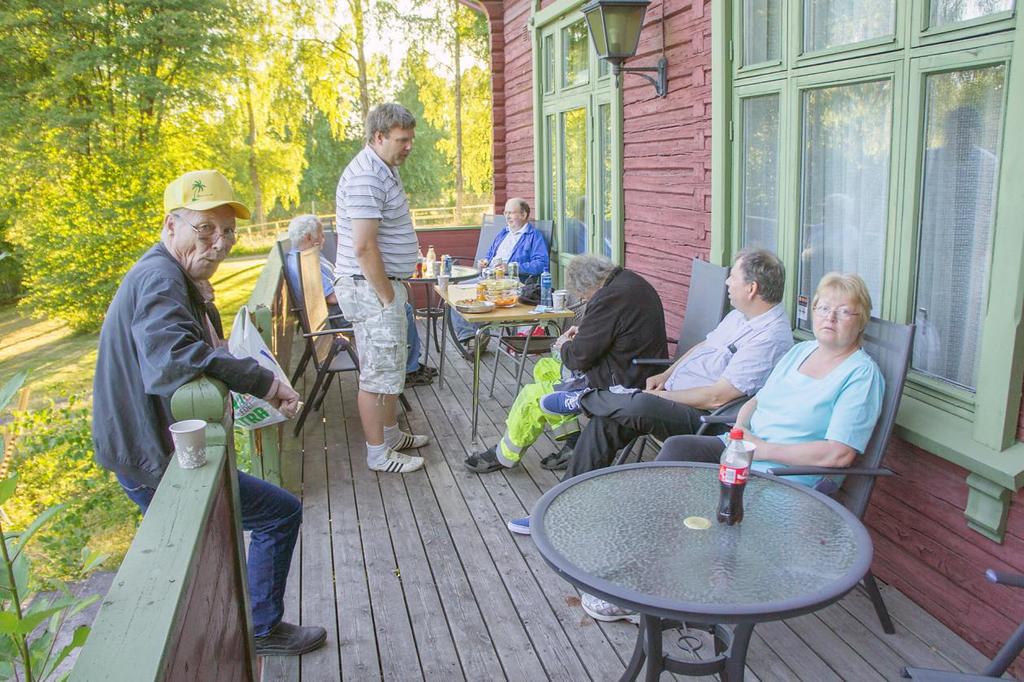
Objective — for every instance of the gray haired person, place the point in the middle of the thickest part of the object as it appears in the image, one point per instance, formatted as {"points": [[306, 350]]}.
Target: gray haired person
{"points": [[623, 319]]}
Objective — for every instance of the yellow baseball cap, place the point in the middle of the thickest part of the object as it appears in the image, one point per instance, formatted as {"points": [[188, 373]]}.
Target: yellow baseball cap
{"points": [[201, 191]]}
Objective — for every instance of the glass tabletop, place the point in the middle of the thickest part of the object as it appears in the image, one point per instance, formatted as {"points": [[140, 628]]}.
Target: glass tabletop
{"points": [[623, 532]]}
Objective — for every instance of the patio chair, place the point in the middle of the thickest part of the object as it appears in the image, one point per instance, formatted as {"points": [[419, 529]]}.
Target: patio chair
{"points": [[329, 349], [889, 344], [1006, 655], [706, 305]]}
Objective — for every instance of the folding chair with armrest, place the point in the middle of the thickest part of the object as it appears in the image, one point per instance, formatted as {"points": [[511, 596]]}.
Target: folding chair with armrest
{"points": [[889, 344], [1006, 655], [329, 349], [707, 304]]}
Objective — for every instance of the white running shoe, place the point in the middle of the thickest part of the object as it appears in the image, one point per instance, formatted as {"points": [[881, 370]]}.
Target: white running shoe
{"points": [[408, 441], [396, 463]]}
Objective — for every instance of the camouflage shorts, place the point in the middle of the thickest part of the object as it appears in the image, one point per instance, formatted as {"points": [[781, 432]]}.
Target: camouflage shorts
{"points": [[380, 333]]}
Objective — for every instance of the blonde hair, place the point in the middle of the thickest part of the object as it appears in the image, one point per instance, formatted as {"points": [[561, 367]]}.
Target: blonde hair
{"points": [[849, 285]]}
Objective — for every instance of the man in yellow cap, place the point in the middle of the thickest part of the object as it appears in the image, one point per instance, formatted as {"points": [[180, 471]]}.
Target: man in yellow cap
{"points": [[157, 336]]}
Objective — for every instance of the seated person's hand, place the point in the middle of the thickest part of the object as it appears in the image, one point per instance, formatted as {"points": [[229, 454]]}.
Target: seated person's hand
{"points": [[566, 336], [656, 383], [283, 398]]}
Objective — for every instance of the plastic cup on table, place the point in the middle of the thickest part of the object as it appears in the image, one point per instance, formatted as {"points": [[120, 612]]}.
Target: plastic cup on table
{"points": [[559, 299], [189, 438]]}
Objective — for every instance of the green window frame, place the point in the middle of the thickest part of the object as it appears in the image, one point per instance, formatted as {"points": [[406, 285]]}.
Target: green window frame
{"points": [[973, 428], [578, 133]]}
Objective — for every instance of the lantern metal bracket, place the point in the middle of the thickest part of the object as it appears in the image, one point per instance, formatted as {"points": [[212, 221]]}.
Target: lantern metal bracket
{"points": [[660, 81]]}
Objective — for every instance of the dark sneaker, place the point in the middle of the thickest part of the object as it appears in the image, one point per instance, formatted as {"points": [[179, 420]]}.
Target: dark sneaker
{"points": [[484, 462], [558, 460], [561, 402], [470, 345], [429, 371], [286, 639], [418, 378]]}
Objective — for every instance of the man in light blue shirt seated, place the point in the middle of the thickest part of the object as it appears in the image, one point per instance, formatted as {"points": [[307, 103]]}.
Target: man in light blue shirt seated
{"points": [[306, 231]]}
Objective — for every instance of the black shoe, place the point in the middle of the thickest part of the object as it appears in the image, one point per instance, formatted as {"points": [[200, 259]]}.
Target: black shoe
{"points": [[429, 371], [286, 639], [484, 462], [557, 460], [418, 378]]}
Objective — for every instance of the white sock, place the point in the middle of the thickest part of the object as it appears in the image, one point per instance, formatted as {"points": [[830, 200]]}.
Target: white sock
{"points": [[375, 453], [392, 434]]}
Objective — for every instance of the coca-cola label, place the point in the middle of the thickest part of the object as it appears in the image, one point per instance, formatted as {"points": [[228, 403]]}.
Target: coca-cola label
{"points": [[732, 475]]}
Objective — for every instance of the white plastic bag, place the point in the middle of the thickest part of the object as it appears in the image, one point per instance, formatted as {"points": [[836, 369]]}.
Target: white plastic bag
{"points": [[245, 342]]}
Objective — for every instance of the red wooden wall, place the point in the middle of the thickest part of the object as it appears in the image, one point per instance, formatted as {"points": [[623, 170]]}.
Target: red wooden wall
{"points": [[923, 545]]}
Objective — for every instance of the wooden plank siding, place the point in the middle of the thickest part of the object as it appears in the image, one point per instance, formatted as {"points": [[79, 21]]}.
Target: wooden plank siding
{"points": [[923, 544], [416, 576]]}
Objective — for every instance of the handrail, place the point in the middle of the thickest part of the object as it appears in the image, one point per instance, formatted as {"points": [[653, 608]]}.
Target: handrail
{"points": [[184, 575]]}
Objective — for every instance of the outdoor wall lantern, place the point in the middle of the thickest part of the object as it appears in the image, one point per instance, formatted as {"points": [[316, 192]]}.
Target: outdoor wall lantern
{"points": [[615, 31]]}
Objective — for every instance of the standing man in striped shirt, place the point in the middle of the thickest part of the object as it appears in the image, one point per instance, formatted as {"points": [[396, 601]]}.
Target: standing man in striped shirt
{"points": [[377, 249]]}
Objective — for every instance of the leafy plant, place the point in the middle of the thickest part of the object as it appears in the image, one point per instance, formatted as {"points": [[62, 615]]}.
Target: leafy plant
{"points": [[23, 608]]}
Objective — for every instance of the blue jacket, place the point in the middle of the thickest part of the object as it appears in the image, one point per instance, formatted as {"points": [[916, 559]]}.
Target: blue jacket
{"points": [[531, 251]]}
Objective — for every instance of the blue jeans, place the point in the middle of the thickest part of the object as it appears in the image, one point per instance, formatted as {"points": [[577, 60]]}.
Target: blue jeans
{"points": [[413, 339], [273, 515]]}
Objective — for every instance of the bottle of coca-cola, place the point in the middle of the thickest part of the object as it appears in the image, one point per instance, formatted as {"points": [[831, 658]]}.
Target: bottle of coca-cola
{"points": [[732, 478]]}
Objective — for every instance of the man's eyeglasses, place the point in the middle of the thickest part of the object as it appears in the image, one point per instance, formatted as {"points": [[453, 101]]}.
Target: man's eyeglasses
{"points": [[842, 313], [208, 233]]}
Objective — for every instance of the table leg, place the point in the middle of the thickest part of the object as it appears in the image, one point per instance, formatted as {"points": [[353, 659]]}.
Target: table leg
{"points": [[522, 359], [480, 333], [652, 645], [497, 357], [736, 661], [637, 661], [445, 312], [430, 320]]}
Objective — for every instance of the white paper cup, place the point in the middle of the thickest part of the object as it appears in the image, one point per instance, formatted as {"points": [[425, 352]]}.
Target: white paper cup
{"points": [[442, 283], [559, 299], [189, 442]]}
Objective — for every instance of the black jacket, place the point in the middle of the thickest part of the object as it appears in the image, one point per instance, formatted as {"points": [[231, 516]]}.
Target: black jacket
{"points": [[624, 320], [154, 339]]}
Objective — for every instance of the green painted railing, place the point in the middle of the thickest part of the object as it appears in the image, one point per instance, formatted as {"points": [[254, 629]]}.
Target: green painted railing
{"points": [[178, 608]]}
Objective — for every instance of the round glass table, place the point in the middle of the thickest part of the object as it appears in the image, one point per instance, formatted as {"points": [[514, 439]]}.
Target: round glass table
{"points": [[433, 311], [636, 535]]}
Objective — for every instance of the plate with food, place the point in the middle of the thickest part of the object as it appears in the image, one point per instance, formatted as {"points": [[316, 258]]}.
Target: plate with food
{"points": [[472, 306]]}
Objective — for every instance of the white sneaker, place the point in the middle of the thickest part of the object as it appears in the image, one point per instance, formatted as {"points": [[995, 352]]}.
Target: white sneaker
{"points": [[599, 609], [408, 441], [396, 463]]}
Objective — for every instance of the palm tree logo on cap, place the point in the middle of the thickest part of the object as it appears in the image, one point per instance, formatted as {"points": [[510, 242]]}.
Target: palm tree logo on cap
{"points": [[197, 187]]}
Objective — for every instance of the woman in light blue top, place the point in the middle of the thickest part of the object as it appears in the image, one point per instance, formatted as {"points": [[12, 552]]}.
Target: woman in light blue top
{"points": [[820, 403]]}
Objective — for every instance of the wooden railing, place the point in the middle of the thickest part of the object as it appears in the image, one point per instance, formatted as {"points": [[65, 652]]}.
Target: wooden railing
{"points": [[263, 235], [178, 608]]}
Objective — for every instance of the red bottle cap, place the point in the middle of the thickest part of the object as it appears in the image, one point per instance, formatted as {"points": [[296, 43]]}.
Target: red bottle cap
{"points": [[736, 433]]}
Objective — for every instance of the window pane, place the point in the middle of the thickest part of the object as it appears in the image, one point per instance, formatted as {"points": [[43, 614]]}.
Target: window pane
{"points": [[604, 113], [830, 23], [575, 54], [760, 189], [552, 151], [602, 68], [574, 188], [549, 63], [761, 22], [963, 117], [844, 186], [952, 11]]}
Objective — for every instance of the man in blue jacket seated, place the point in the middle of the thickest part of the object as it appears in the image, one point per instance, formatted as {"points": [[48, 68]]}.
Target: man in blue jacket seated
{"points": [[306, 231], [157, 336], [518, 242]]}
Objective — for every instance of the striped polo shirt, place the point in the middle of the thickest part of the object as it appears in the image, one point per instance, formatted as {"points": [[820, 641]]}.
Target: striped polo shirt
{"points": [[370, 189]]}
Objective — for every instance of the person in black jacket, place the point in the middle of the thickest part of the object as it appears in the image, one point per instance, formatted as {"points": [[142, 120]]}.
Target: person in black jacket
{"points": [[623, 320], [160, 332]]}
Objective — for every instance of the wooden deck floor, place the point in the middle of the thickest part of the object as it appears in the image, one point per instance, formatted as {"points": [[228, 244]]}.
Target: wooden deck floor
{"points": [[416, 576]]}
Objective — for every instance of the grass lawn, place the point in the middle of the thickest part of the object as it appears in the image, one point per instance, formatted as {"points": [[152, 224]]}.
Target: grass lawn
{"points": [[61, 362]]}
